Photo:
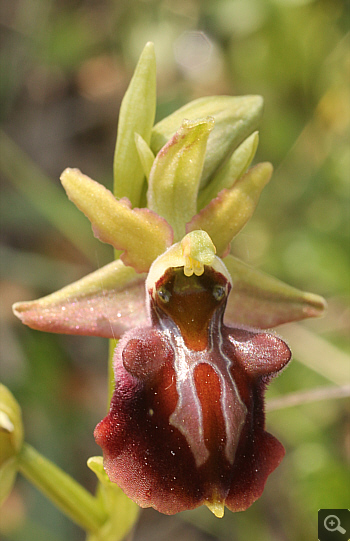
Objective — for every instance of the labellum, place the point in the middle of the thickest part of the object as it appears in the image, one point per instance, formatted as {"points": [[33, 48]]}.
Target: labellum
{"points": [[186, 422]]}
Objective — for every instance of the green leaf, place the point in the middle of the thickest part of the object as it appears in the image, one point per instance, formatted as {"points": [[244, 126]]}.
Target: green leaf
{"points": [[136, 114], [225, 215], [262, 301], [140, 233], [175, 174], [235, 118]]}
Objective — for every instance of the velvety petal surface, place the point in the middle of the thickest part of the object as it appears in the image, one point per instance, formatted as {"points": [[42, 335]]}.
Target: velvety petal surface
{"points": [[105, 303], [235, 117], [186, 423], [262, 301], [140, 233], [227, 214], [175, 174]]}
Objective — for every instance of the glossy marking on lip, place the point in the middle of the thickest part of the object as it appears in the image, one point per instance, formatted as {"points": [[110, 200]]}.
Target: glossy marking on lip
{"points": [[187, 417]]}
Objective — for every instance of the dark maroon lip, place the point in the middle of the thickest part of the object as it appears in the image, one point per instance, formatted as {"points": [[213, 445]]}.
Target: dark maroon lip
{"points": [[186, 423]]}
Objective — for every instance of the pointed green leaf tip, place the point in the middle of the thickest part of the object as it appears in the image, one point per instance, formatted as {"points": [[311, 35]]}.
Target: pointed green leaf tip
{"points": [[136, 115], [140, 233], [176, 172], [235, 119]]}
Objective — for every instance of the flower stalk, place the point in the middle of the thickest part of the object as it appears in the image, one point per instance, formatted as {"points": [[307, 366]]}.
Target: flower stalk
{"points": [[77, 503]]}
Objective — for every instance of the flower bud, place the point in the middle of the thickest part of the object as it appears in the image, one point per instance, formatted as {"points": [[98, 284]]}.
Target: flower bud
{"points": [[11, 439], [235, 119]]}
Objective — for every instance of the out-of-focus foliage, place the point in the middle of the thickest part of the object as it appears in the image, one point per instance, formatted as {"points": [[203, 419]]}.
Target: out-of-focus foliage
{"points": [[65, 67]]}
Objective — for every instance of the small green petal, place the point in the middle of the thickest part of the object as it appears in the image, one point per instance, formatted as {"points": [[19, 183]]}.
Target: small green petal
{"points": [[231, 171], [262, 301], [136, 114], [142, 234], [95, 463], [225, 216], [175, 174], [105, 303], [122, 512], [235, 118], [145, 154]]}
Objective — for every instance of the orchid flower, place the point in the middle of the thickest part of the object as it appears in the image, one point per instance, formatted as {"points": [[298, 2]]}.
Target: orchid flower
{"points": [[186, 423]]}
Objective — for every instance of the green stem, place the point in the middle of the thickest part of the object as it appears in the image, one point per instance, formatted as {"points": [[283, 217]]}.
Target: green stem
{"points": [[62, 490]]}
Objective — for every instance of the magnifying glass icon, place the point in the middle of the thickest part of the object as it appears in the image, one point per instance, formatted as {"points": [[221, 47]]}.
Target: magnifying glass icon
{"points": [[332, 524]]}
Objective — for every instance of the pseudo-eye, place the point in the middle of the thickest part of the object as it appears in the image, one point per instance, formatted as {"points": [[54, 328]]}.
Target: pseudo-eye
{"points": [[186, 422]]}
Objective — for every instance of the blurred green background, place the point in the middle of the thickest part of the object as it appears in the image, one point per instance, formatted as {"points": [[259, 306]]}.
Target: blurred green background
{"points": [[65, 66]]}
